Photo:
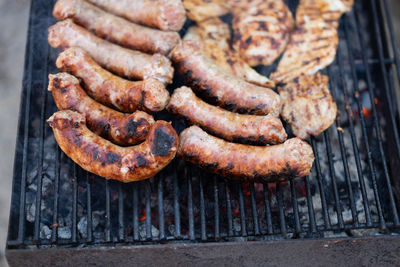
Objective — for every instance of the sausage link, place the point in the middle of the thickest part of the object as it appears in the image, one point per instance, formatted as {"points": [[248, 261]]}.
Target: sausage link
{"points": [[294, 158], [120, 128], [116, 29], [122, 61], [248, 129], [224, 89], [103, 158], [166, 15], [111, 90]]}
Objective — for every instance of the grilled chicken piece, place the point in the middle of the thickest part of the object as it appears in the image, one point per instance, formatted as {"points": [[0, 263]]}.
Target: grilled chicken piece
{"points": [[307, 105], [261, 29], [313, 44], [200, 10], [215, 36]]}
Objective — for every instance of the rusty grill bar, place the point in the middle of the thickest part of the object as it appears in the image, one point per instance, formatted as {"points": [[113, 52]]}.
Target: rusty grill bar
{"points": [[184, 204]]}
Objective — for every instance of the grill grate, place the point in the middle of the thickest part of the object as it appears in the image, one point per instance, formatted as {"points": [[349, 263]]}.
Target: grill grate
{"points": [[56, 203]]}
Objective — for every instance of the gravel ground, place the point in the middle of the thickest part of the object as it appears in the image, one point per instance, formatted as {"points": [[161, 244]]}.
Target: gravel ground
{"points": [[14, 16]]}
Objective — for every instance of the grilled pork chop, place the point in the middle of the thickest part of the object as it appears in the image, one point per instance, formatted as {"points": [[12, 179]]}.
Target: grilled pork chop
{"points": [[307, 105], [261, 29], [200, 10], [215, 36], [313, 44]]}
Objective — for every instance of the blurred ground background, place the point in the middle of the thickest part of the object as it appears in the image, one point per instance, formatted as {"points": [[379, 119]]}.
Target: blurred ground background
{"points": [[14, 21]]}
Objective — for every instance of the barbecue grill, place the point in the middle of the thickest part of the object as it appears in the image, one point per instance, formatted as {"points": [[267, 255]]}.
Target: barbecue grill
{"points": [[344, 212]]}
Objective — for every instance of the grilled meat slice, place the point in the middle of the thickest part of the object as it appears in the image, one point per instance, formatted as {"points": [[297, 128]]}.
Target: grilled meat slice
{"points": [[261, 30], [313, 44], [215, 36], [307, 105], [200, 10]]}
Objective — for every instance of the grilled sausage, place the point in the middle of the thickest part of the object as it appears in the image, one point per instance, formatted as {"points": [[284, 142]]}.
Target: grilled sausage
{"points": [[230, 126], [110, 90], [120, 128], [225, 89], [166, 15], [101, 157], [116, 29], [122, 61], [291, 159]]}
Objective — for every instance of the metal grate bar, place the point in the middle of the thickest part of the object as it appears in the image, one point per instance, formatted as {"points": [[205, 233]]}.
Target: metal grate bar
{"points": [[190, 204], [56, 197], [161, 207], [340, 133], [321, 185], [254, 209], [391, 111], [364, 136], [28, 85], [42, 130], [202, 210], [135, 200], [295, 206], [216, 208], [333, 180], [385, 78], [242, 212], [392, 39], [108, 212], [268, 215], [74, 202], [228, 209], [310, 205], [281, 210], [89, 236], [176, 206], [121, 227], [147, 186]]}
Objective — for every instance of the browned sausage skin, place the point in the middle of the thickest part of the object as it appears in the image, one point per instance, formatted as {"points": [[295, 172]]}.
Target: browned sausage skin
{"points": [[248, 129], [120, 128], [111, 90], [166, 15], [225, 89], [116, 29], [101, 157], [289, 160], [122, 61]]}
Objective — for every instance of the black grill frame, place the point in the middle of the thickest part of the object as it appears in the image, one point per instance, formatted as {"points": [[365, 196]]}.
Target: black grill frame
{"points": [[38, 63]]}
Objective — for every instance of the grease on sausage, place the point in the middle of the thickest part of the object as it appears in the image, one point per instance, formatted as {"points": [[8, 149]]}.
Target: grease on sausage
{"points": [[103, 158], [166, 15], [116, 29], [120, 128], [248, 129], [224, 89], [289, 160], [122, 61], [111, 90]]}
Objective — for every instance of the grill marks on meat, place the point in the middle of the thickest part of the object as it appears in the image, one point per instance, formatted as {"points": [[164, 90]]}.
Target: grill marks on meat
{"points": [[215, 36], [291, 159], [261, 30], [313, 44], [307, 105], [200, 10], [101, 157], [166, 15], [122, 61], [116, 29], [230, 126], [120, 128], [111, 90], [221, 87]]}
